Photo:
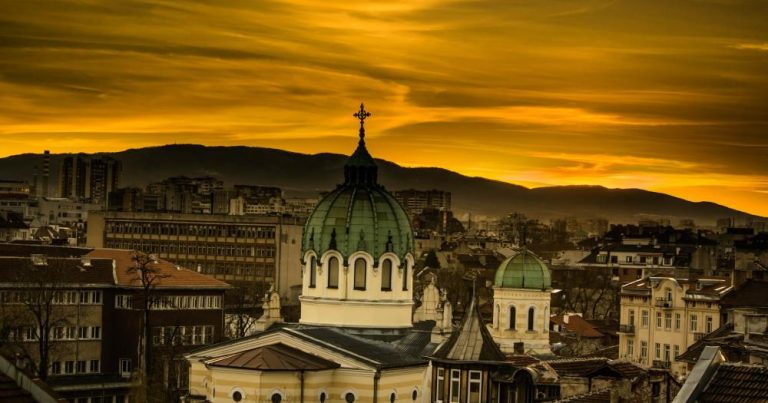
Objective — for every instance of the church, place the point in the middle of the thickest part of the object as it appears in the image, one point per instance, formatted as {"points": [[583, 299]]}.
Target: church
{"points": [[359, 337]]}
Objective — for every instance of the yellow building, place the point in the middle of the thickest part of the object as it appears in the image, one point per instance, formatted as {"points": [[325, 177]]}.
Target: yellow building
{"points": [[522, 291], [662, 316]]}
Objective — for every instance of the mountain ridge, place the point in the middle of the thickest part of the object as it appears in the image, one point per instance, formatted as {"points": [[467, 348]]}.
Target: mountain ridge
{"points": [[304, 174]]}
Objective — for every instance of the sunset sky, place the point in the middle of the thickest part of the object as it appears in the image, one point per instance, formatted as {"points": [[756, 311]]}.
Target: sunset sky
{"points": [[665, 95]]}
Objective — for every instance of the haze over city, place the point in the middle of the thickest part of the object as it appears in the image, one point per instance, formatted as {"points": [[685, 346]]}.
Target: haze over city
{"points": [[657, 95]]}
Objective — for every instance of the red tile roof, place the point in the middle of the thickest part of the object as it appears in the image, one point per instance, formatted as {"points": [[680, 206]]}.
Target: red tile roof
{"points": [[168, 274]]}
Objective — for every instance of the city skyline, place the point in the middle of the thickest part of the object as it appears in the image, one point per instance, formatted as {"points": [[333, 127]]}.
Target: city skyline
{"points": [[664, 97]]}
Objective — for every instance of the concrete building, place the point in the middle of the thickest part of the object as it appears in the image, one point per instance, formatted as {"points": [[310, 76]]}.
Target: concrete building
{"points": [[416, 201], [249, 251], [95, 298], [88, 178], [662, 316], [41, 180], [62, 211]]}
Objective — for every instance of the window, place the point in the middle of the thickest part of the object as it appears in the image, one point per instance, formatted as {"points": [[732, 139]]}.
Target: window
{"points": [[455, 385], [628, 259], [312, 272], [392, 397], [56, 368], [386, 275], [69, 367], [333, 272], [360, 274], [631, 317], [81, 367], [644, 318], [668, 294], [658, 351], [658, 320], [440, 384], [708, 324], [349, 397], [668, 320], [94, 366], [405, 276], [512, 317], [125, 366], [531, 312], [277, 398], [95, 332], [694, 323], [475, 387], [630, 347], [667, 356], [643, 350], [677, 351], [677, 321], [238, 396]]}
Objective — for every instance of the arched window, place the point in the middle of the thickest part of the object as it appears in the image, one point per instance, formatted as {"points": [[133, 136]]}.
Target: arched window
{"points": [[333, 272], [360, 274], [312, 272], [512, 317], [386, 275], [405, 276], [349, 397], [323, 397], [237, 396], [276, 398], [668, 294], [392, 397], [531, 312]]}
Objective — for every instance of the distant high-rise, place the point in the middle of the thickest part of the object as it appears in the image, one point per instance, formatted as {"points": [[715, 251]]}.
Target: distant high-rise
{"points": [[416, 201], [42, 176], [86, 178]]}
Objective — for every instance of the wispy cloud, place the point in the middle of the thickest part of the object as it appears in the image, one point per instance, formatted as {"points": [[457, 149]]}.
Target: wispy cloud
{"points": [[603, 92]]}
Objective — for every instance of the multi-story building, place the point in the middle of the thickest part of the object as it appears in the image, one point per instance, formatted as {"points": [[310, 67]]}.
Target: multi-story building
{"points": [[415, 201], [249, 251], [662, 316], [636, 258], [62, 211], [42, 176], [14, 196], [95, 318], [88, 178]]}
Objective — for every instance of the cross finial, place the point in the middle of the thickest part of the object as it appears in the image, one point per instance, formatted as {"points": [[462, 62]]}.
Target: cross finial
{"points": [[362, 114]]}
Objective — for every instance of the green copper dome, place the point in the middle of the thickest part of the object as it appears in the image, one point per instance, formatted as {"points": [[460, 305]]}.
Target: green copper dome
{"points": [[523, 270], [359, 215]]}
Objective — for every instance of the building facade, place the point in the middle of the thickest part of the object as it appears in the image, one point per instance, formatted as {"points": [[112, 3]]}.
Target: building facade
{"points": [[662, 316], [96, 300], [250, 251], [522, 291], [89, 178]]}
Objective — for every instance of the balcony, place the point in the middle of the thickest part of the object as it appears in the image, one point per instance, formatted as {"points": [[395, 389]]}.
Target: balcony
{"points": [[661, 364], [662, 302], [698, 336], [627, 329]]}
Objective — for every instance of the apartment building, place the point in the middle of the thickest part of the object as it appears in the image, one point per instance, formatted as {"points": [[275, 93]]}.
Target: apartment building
{"points": [[662, 316], [88, 178], [248, 251], [96, 309]]}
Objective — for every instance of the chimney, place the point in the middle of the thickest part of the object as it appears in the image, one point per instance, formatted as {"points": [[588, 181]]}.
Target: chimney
{"points": [[519, 347]]}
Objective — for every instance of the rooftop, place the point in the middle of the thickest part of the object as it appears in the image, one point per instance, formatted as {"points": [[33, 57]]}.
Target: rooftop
{"points": [[275, 357]]}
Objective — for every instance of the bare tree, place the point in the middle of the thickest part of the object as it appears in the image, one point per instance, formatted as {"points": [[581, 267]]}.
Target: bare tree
{"points": [[34, 310], [146, 271]]}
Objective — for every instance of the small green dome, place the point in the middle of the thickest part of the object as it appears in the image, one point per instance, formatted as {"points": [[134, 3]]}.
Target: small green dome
{"points": [[359, 215], [523, 270]]}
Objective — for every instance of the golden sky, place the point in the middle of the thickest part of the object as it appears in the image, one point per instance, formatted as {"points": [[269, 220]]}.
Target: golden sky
{"points": [[670, 96]]}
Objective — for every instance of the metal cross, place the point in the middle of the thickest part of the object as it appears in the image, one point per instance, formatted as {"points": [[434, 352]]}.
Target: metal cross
{"points": [[362, 114]]}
